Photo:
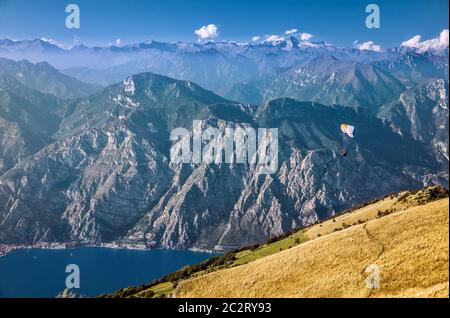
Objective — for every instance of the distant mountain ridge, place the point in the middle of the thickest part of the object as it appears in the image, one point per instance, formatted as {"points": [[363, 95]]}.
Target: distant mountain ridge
{"points": [[45, 78], [329, 81], [217, 66]]}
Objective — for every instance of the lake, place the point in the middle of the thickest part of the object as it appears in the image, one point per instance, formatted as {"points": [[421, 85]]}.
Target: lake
{"points": [[42, 272]]}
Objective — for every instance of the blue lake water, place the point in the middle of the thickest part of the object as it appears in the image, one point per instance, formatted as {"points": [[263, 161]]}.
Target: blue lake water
{"points": [[42, 272]]}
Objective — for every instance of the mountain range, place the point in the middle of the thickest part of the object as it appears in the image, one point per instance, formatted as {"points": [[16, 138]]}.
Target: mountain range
{"points": [[329, 80], [85, 147], [217, 66], [97, 169]]}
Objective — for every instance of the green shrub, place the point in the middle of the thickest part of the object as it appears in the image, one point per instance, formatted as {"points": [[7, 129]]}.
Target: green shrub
{"points": [[148, 293]]}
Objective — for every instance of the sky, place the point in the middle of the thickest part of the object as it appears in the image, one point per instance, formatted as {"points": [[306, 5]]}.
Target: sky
{"points": [[105, 22]]}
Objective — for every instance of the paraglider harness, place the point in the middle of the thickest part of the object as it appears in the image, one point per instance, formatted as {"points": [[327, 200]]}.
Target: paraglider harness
{"points": [[347, 131]]}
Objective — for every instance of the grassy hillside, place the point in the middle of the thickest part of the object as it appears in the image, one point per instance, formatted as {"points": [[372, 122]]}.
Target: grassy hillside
{"points": [[404, 234]]}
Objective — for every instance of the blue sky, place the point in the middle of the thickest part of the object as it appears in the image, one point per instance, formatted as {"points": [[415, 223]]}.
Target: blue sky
{"points": [[339, 22]]}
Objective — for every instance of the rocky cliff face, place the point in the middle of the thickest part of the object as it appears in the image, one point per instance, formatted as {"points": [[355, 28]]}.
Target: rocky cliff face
{"points": [[422, 112], [107, 175]]}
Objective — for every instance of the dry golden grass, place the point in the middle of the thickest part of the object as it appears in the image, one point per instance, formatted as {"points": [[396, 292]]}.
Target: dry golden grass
{"points": [[364, 214], [410, 247], [416, 244]]}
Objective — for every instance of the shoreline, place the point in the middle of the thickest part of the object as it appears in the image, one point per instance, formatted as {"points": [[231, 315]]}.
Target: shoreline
{"points": [[6, 249]]}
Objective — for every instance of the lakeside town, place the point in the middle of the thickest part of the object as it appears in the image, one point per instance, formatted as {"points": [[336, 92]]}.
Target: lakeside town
{"points": [[8, 248]]}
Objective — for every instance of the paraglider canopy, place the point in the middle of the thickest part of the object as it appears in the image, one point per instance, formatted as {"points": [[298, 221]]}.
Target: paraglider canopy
{"points": [[348, 129]]}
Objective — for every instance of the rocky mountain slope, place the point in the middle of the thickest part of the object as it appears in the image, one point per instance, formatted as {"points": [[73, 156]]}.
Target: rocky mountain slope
{"points": [[28, 120], [422, 112], [107, 177]]}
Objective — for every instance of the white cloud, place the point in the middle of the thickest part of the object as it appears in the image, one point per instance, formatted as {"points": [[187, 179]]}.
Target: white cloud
{"points": [[255, 38], [118, 42], [367, 46], [207, 32], [291, 31], [305, 36], [274, 38], [439, 43], [301, 35], [412, 42]]}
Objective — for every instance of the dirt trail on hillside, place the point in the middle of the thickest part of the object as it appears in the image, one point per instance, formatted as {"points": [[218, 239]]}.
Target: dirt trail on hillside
{"points": [[382, 249]]}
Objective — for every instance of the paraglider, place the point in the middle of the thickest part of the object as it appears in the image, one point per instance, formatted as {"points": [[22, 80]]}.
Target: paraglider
{"points": [[347, 130]]}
